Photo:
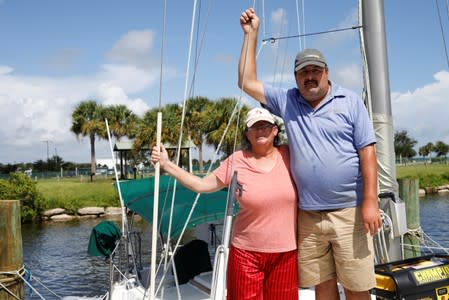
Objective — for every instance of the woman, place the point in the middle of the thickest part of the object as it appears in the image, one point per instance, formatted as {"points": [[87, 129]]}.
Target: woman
{"points": [[262, 257]]}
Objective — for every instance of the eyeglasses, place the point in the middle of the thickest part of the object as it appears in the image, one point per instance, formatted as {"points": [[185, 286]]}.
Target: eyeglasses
{"points": [[266, 127]]}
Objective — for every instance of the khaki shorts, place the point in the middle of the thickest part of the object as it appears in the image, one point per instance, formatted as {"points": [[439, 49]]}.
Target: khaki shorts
{"points": [[334, 244]]}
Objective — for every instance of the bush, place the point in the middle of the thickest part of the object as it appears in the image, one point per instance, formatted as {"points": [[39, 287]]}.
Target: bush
{"points": [[20, 187]]}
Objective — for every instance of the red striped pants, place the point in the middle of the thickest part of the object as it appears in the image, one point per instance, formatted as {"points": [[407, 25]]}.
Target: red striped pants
{"points": [[258, 275]]}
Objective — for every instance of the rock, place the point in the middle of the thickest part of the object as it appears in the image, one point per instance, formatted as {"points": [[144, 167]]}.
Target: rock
{"points": [[91, 211], [422, 192], [113, 210], [443, 191], [52, 212], [62, 217]]}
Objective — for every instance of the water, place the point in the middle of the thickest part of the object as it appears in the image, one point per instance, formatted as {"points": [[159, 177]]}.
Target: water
{"points": [[56, 255], [56, 252], [433, 216]]}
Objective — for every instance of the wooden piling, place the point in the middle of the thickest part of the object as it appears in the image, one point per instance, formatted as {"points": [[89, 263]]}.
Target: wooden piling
{"points": [[409, 192], [11, 253]]}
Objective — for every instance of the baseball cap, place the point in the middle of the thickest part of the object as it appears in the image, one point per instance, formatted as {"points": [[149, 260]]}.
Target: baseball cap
{"points": [[309, 57], [258, 114]]}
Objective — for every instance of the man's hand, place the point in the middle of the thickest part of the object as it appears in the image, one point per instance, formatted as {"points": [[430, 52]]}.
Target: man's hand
{"points": [[371, 217]]}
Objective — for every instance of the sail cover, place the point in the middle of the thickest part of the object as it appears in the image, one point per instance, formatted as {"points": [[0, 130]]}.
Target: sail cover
{"points": [[138, 196]]}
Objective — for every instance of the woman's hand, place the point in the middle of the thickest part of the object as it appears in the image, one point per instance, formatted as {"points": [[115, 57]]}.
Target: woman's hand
{"points": [[159, 155]]}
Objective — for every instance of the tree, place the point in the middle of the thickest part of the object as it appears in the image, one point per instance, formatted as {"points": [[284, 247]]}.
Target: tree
{"points": [[424, 151], [441, 149], [196, 117], [403, 145], [88, 120], [219, 116], [120, 120], [144, 132]]}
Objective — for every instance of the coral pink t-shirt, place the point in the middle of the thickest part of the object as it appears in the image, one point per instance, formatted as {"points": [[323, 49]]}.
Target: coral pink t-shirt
{"points": [[266, 221]]}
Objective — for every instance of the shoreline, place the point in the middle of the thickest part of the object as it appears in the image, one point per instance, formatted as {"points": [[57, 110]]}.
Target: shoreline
{"points": [[61, 214]]}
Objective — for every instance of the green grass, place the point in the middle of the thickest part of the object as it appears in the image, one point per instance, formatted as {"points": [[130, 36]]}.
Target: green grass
{"points": [[430, 175], [72, 193]]}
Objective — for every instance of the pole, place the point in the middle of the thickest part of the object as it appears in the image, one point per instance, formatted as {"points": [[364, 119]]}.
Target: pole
{"points": [[374, 42], [11, 252], [409, 191], [155, 212]]}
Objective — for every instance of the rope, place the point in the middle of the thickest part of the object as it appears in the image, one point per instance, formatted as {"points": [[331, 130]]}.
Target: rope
{"points": [[8, 291], [42, 284], [19, 273], [5, 282]]}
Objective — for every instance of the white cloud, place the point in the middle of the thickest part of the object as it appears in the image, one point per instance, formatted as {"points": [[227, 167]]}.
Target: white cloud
{"points": [[134, 48], [349, 76], [37, 109], [114, 95], [279, 21], [5, 70], [423, 113]]}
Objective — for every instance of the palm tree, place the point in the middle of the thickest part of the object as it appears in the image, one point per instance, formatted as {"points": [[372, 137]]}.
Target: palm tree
{"points": [[425, 151], [196, 117], [87, 120], [441, 149], [219, 115], [121, 120], [144, 132], [403, 145]]}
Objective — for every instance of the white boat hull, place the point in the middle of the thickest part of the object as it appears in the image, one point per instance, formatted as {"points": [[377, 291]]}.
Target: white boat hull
{"points": [[196, 289]]}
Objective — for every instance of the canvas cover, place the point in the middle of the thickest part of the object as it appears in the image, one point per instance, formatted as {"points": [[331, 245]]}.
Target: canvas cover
{"points": [[103, 238], [138, 196]]}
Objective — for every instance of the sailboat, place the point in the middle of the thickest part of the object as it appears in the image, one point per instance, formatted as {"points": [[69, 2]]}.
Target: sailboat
{"points": [[135, 282]]}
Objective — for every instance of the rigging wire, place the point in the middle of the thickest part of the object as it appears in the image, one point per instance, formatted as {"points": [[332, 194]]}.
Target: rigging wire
{"points": [[442, 32], [298, 23], [178, 154], [199, 46], [303, 23], [164, 25], [367, 85], [447, 7], [151, 288], [273, 39]]}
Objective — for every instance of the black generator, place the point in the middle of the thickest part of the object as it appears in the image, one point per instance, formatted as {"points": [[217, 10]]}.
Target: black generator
{"points": [[419, 278]]}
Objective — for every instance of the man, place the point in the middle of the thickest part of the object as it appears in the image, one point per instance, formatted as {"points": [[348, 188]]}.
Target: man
{"points": [[333, 163]]}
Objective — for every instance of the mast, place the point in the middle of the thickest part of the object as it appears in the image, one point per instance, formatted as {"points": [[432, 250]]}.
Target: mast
{"points": [[374, 42]]}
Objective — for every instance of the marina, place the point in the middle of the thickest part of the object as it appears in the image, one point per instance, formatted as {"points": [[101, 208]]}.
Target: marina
{"points": [[57, 264], [56, 252]]}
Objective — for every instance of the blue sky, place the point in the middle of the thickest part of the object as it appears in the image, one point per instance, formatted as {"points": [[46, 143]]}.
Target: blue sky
{"points": [[55, 54]]}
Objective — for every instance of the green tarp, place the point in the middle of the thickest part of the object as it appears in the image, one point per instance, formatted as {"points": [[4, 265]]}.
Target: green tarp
{"points": [[102, 239], [138, 196]]}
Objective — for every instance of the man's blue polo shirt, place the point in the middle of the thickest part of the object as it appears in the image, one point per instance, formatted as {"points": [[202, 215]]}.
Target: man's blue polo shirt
{"points": [[324, 145]]}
